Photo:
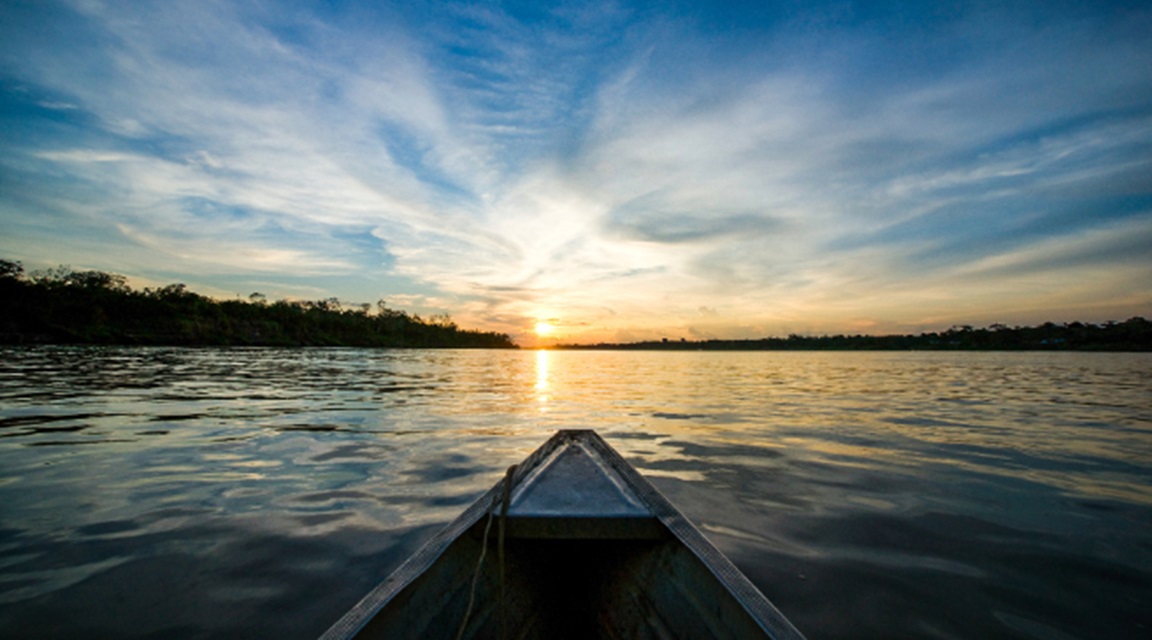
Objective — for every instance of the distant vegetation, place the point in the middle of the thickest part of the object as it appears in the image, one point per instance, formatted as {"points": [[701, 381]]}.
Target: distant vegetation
{"points": [[1132, 335], [92, 307]]}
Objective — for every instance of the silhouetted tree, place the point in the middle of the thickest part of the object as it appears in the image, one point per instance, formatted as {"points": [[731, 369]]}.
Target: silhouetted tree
{"points": [[11, 270], [66, 305]]}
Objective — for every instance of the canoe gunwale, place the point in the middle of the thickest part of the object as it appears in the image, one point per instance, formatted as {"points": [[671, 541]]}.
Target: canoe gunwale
{"points": [[770, 619], [758, 606], [362, 613]]}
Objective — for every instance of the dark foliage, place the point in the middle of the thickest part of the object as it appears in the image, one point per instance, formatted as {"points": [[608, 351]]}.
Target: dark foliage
{"points": [[1132, 335], [92, 307]]}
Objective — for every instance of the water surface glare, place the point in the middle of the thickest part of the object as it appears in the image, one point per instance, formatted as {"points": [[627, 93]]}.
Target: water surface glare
{"points": [[207, 493]]}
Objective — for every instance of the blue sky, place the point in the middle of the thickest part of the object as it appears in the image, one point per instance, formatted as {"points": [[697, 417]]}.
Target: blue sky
{"points": [[627, 171]]}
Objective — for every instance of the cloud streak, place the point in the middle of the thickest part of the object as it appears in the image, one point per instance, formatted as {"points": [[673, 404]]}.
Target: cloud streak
{"points": [[612, 167]]}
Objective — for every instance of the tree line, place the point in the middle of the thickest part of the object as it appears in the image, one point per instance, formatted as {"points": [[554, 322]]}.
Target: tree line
{"points": [[1134, 334], [63, 305]]}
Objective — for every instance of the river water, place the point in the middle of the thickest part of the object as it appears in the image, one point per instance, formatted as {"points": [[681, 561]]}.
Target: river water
{"points": [[207, 493]]}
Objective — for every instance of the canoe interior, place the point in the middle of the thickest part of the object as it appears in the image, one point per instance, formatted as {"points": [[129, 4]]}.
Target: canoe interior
{"points": [[566, 588]]}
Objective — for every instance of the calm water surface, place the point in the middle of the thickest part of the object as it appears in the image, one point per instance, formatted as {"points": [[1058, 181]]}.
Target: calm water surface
{"points": [[205, 493]]}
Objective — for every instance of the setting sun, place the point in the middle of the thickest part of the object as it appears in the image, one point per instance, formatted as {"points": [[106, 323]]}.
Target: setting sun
{"points": [[544, 328]]}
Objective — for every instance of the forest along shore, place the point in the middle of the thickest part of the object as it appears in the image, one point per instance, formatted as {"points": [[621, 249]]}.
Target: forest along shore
{"points": [[63, 306], [1134, 334]]}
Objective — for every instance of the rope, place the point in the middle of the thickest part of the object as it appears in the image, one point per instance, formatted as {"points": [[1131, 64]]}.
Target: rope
{"points": [[500, 547], [497, 498]]}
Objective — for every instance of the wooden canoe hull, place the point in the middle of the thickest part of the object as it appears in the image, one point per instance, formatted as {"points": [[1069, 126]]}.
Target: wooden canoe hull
{"points": [[590, 550]]}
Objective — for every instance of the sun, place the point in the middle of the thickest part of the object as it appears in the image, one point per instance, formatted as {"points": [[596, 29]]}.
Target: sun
{"points": [[544, 328]]}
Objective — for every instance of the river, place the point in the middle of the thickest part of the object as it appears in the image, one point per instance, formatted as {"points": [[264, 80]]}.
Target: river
{"points": [[209, 493]]}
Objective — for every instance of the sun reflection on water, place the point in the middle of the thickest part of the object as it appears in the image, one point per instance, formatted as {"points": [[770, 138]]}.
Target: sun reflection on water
{"points": [[542, 379], [868, 470]]}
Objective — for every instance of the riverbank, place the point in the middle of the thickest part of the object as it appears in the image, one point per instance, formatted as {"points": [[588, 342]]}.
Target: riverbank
{"points": [[1134, 334], [93, 307]]}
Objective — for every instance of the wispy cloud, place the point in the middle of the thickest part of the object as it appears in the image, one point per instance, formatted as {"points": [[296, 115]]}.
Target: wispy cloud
{"points": [[613, 167]]}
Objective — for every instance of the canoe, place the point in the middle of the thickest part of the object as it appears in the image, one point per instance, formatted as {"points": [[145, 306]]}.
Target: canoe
{"points": [[572, 543]]}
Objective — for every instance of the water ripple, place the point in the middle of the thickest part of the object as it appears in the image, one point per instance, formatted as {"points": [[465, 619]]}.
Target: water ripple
{"points": [[260, 492]]}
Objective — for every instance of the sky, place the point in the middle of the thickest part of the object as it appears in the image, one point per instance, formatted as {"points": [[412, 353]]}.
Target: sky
{"points": [[619, 171]]}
